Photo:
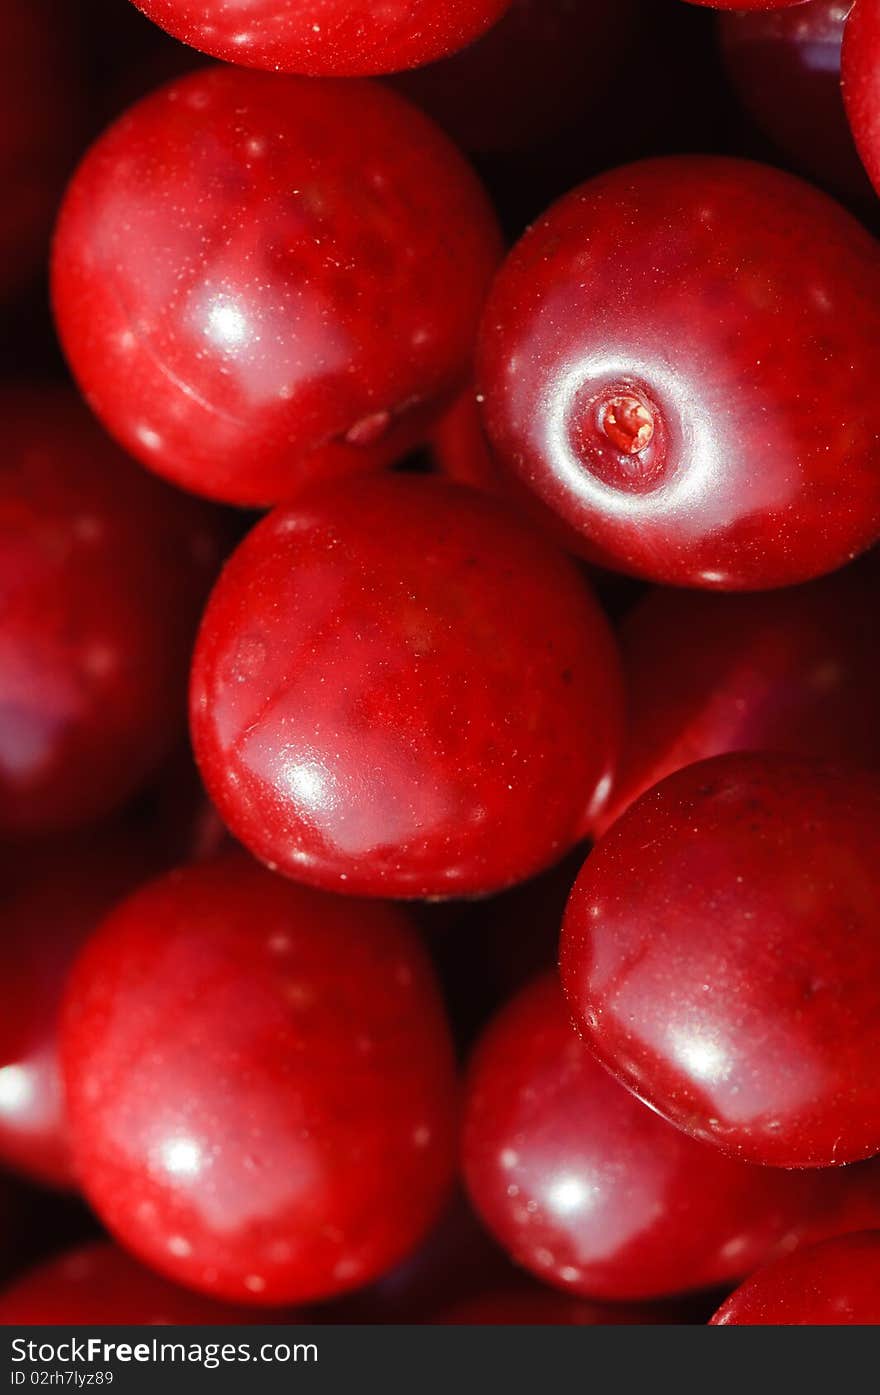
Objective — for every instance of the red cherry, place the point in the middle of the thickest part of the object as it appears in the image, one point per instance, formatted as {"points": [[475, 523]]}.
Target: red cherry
{"points": [[545, 64], [260, 1084], [261, 281], [54, 898], [326, 38], [400, 690], [795, 670], [100, 1284], [835, 1284], [39, 121], [590, 1190], [738, 455], [721, 953], [861, 82], [785, 66], [102, 572]]}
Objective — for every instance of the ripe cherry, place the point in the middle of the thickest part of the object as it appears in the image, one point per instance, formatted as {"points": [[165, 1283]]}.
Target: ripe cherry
{"points": [[260, 281], [326, 38], [721, 954], [587, 1188], [861, 82], [100, 1284], [834, 1284], [260, 1084], [102, 573], [796, 670], [54, 897], [739, 455], [400, 690], [785, 67]]}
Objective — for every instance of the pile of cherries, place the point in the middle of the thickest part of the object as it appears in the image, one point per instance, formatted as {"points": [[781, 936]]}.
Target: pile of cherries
{"points": [[518, 580]]}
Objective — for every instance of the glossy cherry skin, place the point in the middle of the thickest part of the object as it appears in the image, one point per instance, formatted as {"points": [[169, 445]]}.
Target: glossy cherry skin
{"points": [[739, 455], [721, 956], [861, 82], [260, 1084], [260, 280], [400, 690], [541, 67], [40, 116], [590, 1190], [103, 571], [100, 1284], [54, 897], [795, 670], [835, 1284], [785, 66], [326, 38]]}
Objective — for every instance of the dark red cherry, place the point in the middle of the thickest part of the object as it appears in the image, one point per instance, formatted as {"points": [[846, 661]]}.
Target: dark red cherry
{"points": [[260, 281], [861, 82], [326, 38], [54, 897], [680, 358], [545, 64], [260, 1084], [785, 67], [100, 1284], [835, 1284], [721, 954], [401, 690], [590, 1190], [102, 574], [40, 117], [795, 670]]}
